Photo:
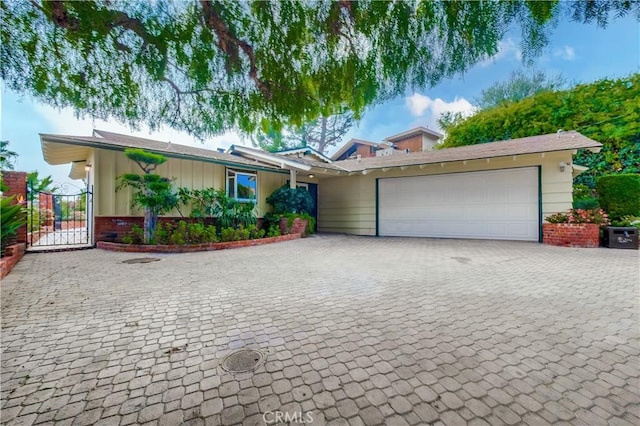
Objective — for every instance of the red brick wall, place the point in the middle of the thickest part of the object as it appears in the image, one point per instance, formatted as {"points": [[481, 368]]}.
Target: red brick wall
{"points": [[571, 234], [13, 254], [45, 201], [299, 226], [16, 183]]}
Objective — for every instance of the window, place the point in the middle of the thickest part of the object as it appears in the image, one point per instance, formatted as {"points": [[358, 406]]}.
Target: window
{"points": [[243, 186]]}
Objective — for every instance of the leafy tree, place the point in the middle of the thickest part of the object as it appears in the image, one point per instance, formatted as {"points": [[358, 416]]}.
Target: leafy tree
{"points": [[35, 184], [153, 193], [521, 85], [7, 157], [606, 111], [209, 66], [319, 134]]}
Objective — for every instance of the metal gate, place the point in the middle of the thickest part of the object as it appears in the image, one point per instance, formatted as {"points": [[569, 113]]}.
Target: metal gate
{"points": [[59, 218]]}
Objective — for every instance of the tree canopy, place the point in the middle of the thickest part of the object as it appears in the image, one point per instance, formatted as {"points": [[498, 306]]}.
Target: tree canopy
{"points": [[319, 134], [606, 111], [7, 157], [209, 66], [521, 84]]}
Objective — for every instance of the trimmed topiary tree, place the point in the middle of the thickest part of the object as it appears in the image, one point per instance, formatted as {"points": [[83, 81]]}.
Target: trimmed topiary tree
{"points": [[153, 193], [619, 195]]}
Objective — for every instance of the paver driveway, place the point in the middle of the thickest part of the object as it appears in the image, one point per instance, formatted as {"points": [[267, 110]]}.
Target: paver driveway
{"points": [[356, 330]]}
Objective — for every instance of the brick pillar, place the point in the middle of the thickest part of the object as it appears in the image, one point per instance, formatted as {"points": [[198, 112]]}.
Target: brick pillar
{"points": [[16, 183]]}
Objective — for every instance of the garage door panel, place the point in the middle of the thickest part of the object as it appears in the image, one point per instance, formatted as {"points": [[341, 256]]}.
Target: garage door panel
{"points": [[497, 204]]}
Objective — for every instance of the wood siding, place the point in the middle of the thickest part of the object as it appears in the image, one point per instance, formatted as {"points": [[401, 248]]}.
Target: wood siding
{"points": [[349, 206], [413, 144], [108, 165]]}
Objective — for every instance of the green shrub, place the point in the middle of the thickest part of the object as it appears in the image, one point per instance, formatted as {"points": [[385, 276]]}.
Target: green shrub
{"points": [[274, 231], [232, 234], [291, 200], [620, 195], [255, 233], [135, 236], [586, 203], [627, 221], [175, 233], [12, 217], [582, 191]]}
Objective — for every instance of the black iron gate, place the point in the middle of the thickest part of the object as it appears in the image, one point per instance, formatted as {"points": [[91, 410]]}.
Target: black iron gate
{"points": [[57, 218]]}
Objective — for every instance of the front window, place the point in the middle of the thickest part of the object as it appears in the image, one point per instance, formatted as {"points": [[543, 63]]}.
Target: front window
{"points": [[243, 186]]}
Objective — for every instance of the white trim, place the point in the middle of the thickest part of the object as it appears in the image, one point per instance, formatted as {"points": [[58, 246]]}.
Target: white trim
{"points": [[278, 160], [235, 178], [304, 149], [412, 132], [352, 142]]}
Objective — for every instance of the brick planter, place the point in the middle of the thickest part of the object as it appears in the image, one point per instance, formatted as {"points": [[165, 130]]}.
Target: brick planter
{"points": [[299, 226], [190, 248], [571, 234], [12, 256]]}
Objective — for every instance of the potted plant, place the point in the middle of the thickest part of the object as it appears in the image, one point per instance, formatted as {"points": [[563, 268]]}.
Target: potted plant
{"points": [[292, 208], [620, 196], [575, 228], [623, 233]]}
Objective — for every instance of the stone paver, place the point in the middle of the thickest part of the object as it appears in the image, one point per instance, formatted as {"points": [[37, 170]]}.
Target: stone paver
{"points": [[355, 331]]}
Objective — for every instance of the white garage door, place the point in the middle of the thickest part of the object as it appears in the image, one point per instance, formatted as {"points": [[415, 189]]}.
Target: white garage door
{"points": [[496, 204]]}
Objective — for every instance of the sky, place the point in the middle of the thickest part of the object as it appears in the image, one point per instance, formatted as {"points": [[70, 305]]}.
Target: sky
{"points": [[581, 53]]}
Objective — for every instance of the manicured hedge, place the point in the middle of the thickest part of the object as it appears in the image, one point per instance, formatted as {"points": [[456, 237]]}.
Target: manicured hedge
{"points": [[620, 195]]}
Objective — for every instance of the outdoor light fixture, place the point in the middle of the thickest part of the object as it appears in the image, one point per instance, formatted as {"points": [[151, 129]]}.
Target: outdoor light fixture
{"points": [[312, 175], [87, 167], [563, 165]]}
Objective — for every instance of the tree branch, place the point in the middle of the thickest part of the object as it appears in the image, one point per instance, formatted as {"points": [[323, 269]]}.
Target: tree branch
{"points": [[230, 44]]}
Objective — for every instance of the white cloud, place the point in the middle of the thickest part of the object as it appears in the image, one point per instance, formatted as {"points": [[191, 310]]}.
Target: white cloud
{"points": [[65, 122], [418, 103], [565, 52], [430, 110], [506, 49]]}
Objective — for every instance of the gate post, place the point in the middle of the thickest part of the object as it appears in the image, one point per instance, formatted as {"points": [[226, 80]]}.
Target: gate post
{"points": [[16, 183]]}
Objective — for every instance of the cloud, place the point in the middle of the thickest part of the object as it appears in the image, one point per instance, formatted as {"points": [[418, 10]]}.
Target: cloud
{"points": [[428, 110], [565, 52], [66, 123], [506, 49]]}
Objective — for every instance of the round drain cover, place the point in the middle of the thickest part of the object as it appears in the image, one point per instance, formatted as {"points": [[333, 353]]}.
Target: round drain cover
{"points": [[141, 260], [243, 360]]}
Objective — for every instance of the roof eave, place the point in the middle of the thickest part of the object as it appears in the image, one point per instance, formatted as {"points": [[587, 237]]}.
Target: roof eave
{"points": [[78, 141], [270, 158]]}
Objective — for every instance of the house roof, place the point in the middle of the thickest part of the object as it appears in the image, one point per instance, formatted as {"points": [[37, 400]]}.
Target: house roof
{"points": [[413, 132], [64, 149], [304, 150], [268, 157], [61, 149], [352, 142], [565, 141]]}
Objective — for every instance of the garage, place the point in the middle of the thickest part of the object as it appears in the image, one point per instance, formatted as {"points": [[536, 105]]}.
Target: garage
{"points": [[496, 204]]}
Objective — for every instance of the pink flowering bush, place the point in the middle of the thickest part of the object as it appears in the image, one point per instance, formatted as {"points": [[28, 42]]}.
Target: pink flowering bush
{"points": [[597, 216]]}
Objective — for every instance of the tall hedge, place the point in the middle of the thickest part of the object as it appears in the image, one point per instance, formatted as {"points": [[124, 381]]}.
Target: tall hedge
{"points": [[620, 195], [605, 111]]}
